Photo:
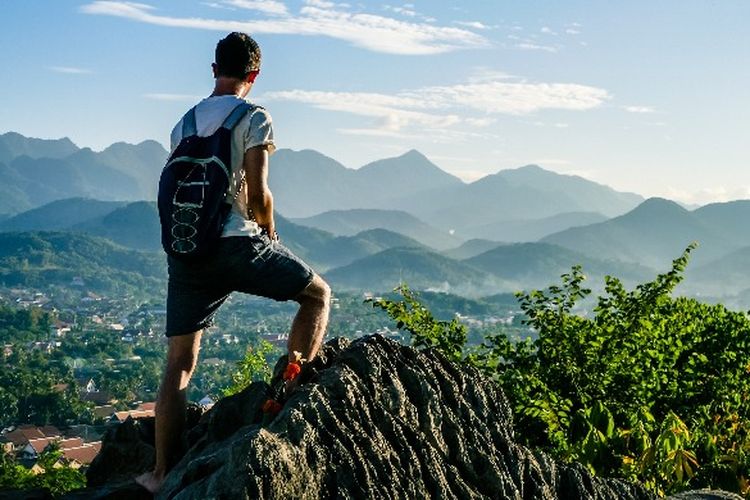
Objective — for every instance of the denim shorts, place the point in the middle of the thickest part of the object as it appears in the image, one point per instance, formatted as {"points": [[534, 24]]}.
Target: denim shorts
{"points": [[250, 264]]}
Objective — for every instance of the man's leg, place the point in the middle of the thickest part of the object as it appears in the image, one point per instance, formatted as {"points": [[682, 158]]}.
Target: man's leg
{"points": [[309, 325], [171, 405]]}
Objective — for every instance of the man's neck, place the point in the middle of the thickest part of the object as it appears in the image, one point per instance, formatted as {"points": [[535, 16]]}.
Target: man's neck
{"points": [[231, 86]]}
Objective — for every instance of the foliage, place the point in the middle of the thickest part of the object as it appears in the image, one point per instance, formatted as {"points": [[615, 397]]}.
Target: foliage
{"points": [[411, 315], [253, 367], [646, 386], [57, 477]]}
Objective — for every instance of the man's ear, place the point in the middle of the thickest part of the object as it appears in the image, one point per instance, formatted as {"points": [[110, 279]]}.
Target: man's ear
{"points": [[252, 76], [214, 70]]}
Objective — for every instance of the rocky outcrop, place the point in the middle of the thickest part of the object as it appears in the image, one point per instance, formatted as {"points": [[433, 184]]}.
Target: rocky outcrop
{"points": [[371, 419]]}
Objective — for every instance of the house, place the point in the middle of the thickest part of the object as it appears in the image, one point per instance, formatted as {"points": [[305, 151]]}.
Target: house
{"points": [[19, 438], [121, 416], [103, 411], [98, 397], [81, 456], [86, 384]]}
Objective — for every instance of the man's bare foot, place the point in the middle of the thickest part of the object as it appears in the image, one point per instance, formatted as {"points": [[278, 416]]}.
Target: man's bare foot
{"points": [[151, 481]]}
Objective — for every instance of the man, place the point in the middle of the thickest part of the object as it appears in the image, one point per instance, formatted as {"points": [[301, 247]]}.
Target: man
{"points": [[249, 257]]}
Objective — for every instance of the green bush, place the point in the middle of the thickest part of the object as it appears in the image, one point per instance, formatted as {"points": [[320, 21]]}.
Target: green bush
{"points": [[647, 386]]}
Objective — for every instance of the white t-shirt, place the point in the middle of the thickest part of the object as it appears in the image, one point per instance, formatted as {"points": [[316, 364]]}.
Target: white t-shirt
{"points": [[254, 129]]}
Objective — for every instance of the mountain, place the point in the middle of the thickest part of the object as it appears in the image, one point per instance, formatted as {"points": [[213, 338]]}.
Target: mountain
{"points": [[13, 145], [42, 259], [142, 161], [538, 265], [588, 195], [419, 268], [730, 219], [350, 222], [36, 172], [471, 248], [726, 276], [306, 182], [344, 250], [653, 234], [135, 225], [404, 176], [533, 229], [59, 215], [521, 194]]}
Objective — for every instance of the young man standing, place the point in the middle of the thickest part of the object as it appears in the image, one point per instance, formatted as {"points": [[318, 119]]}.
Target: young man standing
{"points": [[249, 257]]}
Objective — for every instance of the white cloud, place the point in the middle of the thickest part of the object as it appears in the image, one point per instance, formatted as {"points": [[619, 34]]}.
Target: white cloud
{"points": [[707, 195], [268, 6], [172, 97], [70, 70], [573, 31], [638, 109], [536, 46], [548, 31], [476, 25], [368, 31], [450, 110]]}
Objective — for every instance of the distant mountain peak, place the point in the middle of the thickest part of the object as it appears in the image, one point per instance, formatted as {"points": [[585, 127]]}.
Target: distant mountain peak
{"points": [[656, 203]]}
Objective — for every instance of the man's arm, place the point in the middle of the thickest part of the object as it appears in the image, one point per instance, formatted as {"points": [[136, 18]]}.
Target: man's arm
{"points": [[259, 197]]}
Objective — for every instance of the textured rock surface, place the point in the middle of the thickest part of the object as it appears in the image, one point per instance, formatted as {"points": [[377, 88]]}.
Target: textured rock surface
{"points": [[373, 419]]}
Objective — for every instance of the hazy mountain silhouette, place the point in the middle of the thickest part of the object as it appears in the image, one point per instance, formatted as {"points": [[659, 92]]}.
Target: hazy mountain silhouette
{"points": [[420, 268], [534, 229], [61, 214], [13, 145], [652, 234], [350, 222], [535, 265], [471, 248]]}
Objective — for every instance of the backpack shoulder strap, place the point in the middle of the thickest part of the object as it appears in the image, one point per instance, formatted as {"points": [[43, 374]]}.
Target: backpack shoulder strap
{"points": [[236, 115], [188, 124]]}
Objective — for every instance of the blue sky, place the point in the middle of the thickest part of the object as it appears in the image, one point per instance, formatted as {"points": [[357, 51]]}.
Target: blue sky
{"points": [[648, 97]]}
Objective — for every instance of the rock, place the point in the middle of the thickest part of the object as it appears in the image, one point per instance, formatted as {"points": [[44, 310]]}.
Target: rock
{"points": [[377, 420], [371, 419]]}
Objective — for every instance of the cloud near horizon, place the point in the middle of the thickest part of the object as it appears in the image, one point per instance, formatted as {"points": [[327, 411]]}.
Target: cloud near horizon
{"points": [[316, 18]]}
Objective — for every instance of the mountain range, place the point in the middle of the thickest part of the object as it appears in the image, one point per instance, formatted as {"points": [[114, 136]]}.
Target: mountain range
{"points": [[397, 219]]}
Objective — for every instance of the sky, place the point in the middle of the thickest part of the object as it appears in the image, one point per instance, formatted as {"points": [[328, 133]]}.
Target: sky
{"points": [[648, 97]]}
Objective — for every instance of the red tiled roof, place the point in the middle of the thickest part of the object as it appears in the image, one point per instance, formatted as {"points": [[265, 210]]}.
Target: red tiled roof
{"points": [[84, 455], [71, 443], [39, 444], [123, 415], [147, 406]]}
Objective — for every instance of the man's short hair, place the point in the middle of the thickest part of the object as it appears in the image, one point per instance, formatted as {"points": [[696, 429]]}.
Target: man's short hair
{"points": [[237, 55]]}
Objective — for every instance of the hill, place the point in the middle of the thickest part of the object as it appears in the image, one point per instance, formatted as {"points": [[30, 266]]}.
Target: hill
{"points": [[13, 145], [420, 268], [471, 248], [350, 222], [533, 229], [537, 265], [306, 182], [60, 214], [522, 194], [42, 259], [135, 225], [38, 171], [652, 234]]}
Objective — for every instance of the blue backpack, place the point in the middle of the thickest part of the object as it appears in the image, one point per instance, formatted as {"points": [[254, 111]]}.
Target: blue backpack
{"points": [[194, 198]]}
